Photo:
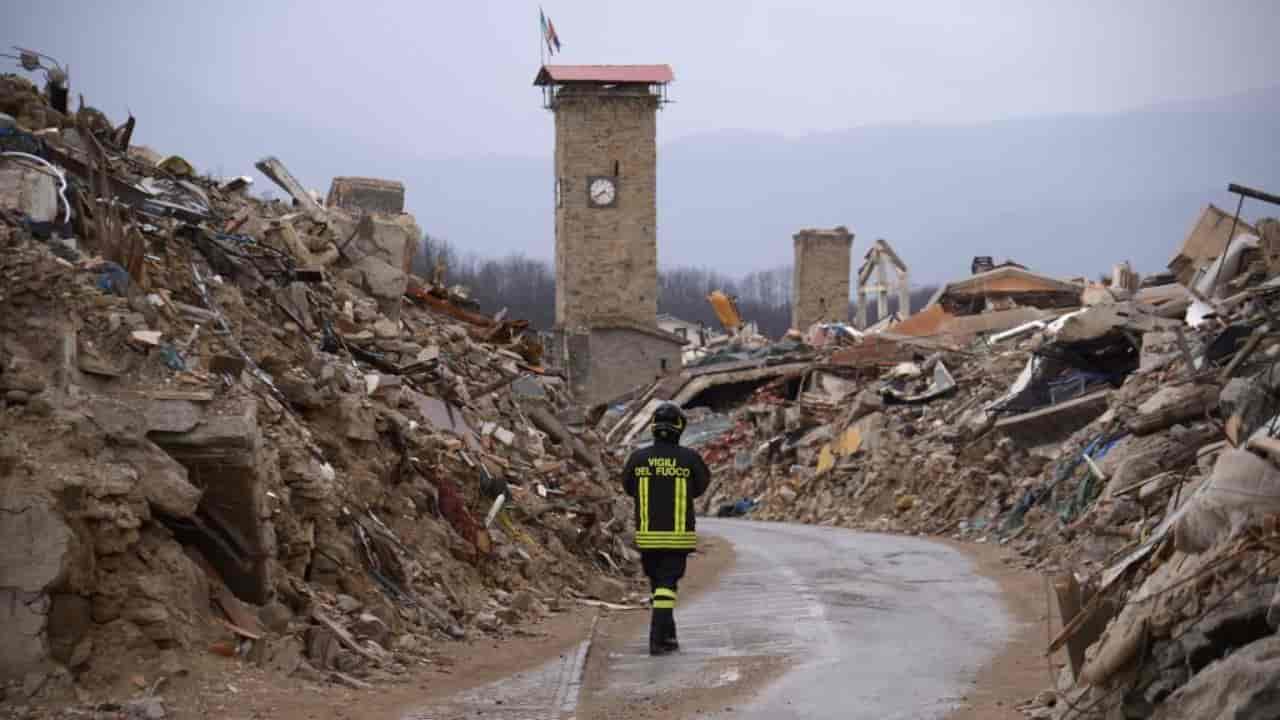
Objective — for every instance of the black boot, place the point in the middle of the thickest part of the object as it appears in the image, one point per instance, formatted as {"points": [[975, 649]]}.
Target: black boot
{"points": [[659, 621], [670, 640]]}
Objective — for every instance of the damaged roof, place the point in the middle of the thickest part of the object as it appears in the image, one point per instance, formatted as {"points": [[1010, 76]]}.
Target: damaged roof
{"points": [[620, 323], [1206, 241], [646, 74], [1004, 280]]}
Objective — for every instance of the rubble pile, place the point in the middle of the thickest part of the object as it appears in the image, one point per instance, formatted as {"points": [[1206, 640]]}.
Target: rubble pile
{"points": [[241, 427], [1125, 447]]}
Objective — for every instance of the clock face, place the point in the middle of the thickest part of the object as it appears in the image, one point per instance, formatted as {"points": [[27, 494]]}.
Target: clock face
{"points": [[602, 192]]}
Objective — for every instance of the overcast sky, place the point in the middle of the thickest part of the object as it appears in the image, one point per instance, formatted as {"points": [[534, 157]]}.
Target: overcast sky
{"points": [[454, 77], [372, 88]]}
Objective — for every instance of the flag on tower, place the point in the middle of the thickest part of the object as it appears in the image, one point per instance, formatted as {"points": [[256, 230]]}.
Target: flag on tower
{"points": [[549, 33]]}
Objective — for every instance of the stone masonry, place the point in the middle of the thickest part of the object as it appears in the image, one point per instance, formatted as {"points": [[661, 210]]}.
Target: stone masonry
{"points": [[820, 284], [606, 258], [610, 360], [368, 194]]}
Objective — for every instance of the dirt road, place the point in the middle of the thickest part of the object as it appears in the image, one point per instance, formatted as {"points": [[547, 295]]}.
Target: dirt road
{"points": [[810, 622]]}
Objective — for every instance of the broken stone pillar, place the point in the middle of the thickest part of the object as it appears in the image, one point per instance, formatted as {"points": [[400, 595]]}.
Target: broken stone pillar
{"points": [[1124, 278], [820, 283], [225, 456]]}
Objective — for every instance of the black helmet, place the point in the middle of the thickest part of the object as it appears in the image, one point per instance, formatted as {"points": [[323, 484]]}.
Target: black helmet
{"points": [[668, 422]]}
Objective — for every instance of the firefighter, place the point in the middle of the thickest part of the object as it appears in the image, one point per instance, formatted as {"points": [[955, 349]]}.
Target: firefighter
{"points": [[663, 479]]}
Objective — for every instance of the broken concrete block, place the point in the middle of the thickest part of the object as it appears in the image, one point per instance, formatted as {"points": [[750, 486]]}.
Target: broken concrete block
{"points": [[1240, 685], [162, 480], [146, 338], [1241, 487], [370, 627], [1158, 349], [358, 421], [37, 551], [151, 708], [275, 616], [301, 391], [607, 589], [385, 329], [286, 655], [226, 453], [32, 193], [122, 422], [385, 283], [170, 415]]}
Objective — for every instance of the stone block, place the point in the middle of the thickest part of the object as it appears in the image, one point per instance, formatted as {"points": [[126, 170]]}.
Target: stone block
{"points": [[37, 553], [32, 193], [372, 195], [607, 589], [162, 480], [225, 457], [384, 282]]}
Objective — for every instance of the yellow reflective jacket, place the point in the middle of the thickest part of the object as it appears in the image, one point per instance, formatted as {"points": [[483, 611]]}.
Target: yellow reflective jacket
{"points": [[664, 478]]}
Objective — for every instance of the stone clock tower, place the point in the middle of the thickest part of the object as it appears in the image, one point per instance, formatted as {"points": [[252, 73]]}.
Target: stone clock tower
{"points": [[606, 218]]}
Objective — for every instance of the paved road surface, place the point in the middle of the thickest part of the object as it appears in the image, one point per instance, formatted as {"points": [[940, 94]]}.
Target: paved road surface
{"points": [[868, 626]]}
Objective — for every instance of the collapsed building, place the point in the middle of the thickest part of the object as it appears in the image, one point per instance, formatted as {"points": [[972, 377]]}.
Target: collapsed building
{"points": [[242, 425], [1121, 437]]}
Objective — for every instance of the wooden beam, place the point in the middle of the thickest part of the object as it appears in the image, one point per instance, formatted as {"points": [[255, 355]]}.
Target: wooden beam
{"points": [[1201, 399]]}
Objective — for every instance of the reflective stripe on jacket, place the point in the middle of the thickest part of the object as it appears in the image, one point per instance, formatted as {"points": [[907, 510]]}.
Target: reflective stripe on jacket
{"points": [[664, 479]]}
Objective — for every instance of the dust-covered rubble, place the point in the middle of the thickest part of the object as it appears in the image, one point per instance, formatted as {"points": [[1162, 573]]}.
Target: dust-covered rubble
{"points": [[241, 429], [1124, 447]]}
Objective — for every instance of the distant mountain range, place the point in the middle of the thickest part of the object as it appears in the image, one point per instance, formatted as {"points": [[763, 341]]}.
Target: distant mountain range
{"points": [[1065, 194]]}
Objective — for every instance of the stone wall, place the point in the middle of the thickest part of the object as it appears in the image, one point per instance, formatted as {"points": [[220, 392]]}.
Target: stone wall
{"points": [[367, 194], [623, 358], [606, 258], [609, 361], [820, 284]]}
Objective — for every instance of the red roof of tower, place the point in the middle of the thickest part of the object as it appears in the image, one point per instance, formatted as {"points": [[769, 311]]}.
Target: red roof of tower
{"points": [[647, 74]]}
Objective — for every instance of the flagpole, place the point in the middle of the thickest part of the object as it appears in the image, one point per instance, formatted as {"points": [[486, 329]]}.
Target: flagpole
{"points": [[542, 53]]}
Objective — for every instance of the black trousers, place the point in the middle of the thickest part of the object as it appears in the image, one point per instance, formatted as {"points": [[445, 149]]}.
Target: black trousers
{"points": [[664, 569]]}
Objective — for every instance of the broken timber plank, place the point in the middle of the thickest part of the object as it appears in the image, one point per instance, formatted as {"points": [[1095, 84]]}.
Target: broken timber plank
{"points": [[548, 423], [1075, 625], [239, 630], [444, 306], [192, 395], [343, 636], [1193, 405]]}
